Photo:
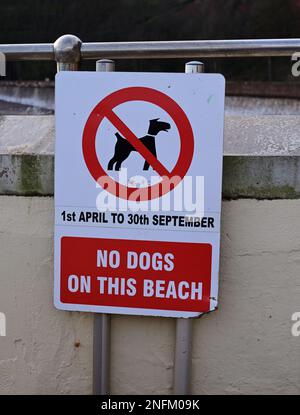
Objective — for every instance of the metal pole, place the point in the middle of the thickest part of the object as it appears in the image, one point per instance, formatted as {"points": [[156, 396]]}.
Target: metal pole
{"points": [[105, 65], [184, 326], [101, 354], [102, 323]]}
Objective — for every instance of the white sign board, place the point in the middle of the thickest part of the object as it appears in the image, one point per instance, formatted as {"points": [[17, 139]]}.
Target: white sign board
{"points": [[138, 171]]}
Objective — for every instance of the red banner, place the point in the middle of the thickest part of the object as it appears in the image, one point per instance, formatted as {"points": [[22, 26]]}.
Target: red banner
{"points": [[137, 274]]}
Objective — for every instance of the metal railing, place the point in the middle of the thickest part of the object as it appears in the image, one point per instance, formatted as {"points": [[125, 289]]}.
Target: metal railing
{"points": [[145, 50]]}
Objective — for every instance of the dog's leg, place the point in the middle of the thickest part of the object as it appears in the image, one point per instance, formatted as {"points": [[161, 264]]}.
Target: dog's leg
{"points": [[122, 151], [118, 152], [111, 163], [119, 160], [118, 165]]}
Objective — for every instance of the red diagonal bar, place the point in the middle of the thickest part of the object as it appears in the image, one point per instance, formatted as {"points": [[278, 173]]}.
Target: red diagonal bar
{"points": [[136, 143]]}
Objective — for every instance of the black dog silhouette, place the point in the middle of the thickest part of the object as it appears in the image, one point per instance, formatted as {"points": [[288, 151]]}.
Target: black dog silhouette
{"points": [[123, 148]]}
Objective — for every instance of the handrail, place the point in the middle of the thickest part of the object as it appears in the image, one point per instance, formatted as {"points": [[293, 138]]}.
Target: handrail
{"points": [[191, 49], [161, 49]]}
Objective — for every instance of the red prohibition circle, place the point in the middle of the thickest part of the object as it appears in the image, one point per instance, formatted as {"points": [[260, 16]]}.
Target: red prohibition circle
{"points": [[104, 109]]}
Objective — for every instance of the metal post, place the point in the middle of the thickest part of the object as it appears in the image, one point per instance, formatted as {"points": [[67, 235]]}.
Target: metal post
{"points": [[184, 326], [67, 53], [105, 65], [101, 354], [101, 358], [194, 67]]}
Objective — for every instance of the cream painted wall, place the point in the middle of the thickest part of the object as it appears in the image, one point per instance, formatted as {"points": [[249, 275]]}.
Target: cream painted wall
{"points": [[244, 347]]}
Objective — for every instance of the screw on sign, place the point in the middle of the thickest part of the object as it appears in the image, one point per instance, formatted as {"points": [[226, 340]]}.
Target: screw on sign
{"points": [[105, 109]]}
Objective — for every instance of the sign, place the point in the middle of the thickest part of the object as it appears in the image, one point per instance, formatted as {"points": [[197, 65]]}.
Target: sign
{"points": [[138, 168], [105, 110]]}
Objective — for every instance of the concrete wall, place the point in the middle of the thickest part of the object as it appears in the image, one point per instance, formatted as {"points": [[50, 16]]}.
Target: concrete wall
{"points": [[244, 347], [33, 94]]}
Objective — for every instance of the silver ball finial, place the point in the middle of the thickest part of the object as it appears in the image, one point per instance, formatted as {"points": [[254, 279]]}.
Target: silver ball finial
{"points": [[67, 52]]}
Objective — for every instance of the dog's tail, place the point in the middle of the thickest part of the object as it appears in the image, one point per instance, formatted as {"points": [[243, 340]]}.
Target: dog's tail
{"points": [[119, 137]]}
